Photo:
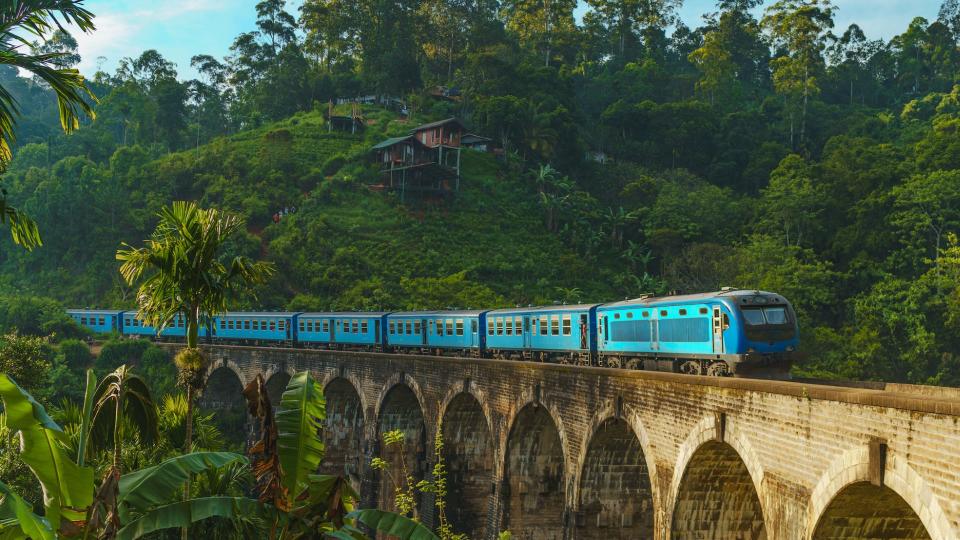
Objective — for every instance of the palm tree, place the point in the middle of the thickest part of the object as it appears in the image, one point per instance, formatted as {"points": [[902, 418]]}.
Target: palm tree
{"points": [[184, 274], [21, 21]]}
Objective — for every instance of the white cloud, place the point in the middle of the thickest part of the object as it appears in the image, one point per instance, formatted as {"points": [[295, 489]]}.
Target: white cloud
{"points": [[120, 32]]}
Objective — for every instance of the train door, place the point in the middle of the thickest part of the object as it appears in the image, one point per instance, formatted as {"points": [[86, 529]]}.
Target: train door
{"points": [[287, 326], [376, 330], [527, 335], [655, 330], [333, 332], [423, 332], [717, 330]]}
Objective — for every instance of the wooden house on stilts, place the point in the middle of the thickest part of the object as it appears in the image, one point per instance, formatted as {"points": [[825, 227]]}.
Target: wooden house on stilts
{"points": [[424, 162]]}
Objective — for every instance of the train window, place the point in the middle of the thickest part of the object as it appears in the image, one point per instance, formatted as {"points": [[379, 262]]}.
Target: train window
{"points": [[104, 321], [646, 313], [775, 315], [616, 315], [393, 328], [263, 324], [303, 326], [409, 327], [499, 326], [83, 320], [555, 325], [326, 326], [663, 313], [683, 312], [703, 311], [400, 328], [754, 317], [459, 327], [439, 327], [416, 327], [179, 323], [509, 326], [364, 327], [474, 325], [449, 327], [489, 327], [356, 326], [567, 325], [273, 325], [629, 314], [543, 325], [281, 325], [518, 325]]}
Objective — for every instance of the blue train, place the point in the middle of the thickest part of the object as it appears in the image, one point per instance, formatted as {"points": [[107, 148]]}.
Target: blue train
{"points": [[729, 332]]}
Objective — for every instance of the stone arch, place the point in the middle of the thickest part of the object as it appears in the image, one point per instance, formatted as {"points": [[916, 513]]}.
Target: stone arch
{"points": [[716, 485], [276, 383], [526, 398], [534, 480], [400, 409], [905, 495], [468, 452], [343, 431], [224, 394], [225, 363], [614, 489]]}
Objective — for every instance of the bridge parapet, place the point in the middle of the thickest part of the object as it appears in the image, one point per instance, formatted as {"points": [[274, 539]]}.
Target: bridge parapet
{"points": [[558, 452]]}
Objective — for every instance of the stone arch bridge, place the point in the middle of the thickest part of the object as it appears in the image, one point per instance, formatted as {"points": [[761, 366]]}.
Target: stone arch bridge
{"points": [[555, 452]]}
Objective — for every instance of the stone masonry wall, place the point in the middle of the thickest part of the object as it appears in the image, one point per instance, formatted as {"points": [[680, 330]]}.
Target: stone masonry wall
{"points": [[788, 453]]}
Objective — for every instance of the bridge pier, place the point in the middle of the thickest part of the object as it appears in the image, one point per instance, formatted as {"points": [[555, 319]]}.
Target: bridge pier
{"points": [[562, 452]]}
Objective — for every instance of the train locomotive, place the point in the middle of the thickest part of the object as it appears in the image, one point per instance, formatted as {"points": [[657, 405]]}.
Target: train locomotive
{"points": [[730, 332]]}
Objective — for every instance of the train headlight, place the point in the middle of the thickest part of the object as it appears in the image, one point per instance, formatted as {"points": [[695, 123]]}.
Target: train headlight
{"points": [[751, 350], [790, 348]]}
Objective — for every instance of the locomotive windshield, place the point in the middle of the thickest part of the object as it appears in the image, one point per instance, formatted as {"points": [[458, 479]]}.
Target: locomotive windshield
{"points": [[767, 323], [768, 315]]}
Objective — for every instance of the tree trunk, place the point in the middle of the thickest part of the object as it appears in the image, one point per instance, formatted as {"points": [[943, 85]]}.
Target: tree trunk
{"points": [[193, 338]]}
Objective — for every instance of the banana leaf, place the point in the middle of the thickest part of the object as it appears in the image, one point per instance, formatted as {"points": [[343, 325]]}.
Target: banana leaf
{"points": [[17, 519], [183, 513], [163, 483], [67, 487], [393, 525], [299, 420], [87, 415]]}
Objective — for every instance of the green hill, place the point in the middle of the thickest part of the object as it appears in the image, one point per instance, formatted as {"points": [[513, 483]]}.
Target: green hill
{"points": [[346, 247]]}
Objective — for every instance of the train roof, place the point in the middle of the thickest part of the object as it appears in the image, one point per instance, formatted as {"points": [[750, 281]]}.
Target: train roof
{"points": [[259, 314], [654, 300], [98, 311], [345, 314], [434, 313], [545, 309]]}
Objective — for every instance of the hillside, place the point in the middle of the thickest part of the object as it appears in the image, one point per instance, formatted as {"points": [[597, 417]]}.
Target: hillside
{"points": [[346, 247]]}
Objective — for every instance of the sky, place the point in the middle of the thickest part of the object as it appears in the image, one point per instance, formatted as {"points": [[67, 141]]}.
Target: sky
{"points": [[180, 29]]}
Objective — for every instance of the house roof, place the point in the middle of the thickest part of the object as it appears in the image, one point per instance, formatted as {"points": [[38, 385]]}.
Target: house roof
{"points": [[474, 138], [391, 141], [451, 120]]}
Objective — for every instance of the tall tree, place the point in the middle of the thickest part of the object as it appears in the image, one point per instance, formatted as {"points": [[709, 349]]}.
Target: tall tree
{"points": [[183, 274], [540, 25], [799, 28], [628, 20], [19, 22]]}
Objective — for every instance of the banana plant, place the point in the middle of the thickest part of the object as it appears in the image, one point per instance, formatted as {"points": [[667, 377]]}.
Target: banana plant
{"points": [[67, 487], [143, 501]]}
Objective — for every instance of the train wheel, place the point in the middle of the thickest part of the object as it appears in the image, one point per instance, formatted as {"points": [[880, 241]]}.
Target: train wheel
{"points": [[635, 363], [718, 369], [691, 367]]}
